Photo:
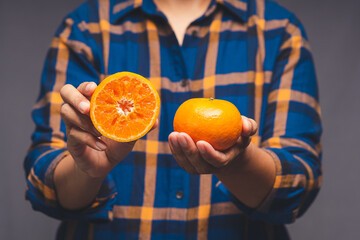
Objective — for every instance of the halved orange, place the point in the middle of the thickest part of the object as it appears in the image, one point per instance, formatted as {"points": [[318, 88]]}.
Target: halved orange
{"points": [[124, 107]]}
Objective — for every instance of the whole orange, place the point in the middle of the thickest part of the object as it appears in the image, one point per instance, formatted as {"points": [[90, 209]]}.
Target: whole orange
{"points": [[215, 121]]}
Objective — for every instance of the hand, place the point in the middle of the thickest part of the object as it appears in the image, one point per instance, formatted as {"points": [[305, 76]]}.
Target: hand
{"points": [[93, 153], [202, 158]]}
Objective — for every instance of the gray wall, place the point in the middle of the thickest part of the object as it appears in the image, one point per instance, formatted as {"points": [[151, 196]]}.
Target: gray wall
{"points": [[334, 33], [26, 28]]}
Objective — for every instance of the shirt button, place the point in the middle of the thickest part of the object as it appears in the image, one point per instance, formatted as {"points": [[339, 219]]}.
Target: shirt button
{"points": [[183, 82], [194, 34], [179, 194]]}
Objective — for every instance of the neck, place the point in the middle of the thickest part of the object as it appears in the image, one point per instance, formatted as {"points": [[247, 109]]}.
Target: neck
{"points": [[176, 4], [181, 13]]}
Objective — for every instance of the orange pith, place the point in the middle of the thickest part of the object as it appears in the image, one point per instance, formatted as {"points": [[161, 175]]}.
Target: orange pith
{"points": [[124, 106], [215, 121]]}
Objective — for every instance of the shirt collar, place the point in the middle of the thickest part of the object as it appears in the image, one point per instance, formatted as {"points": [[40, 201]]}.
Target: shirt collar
{"points": [[237, 7]]}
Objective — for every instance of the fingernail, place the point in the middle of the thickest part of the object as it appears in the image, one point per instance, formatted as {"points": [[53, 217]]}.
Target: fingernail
{"points": [[183, 142], [101, 146], [88, 87], [84, 106]]}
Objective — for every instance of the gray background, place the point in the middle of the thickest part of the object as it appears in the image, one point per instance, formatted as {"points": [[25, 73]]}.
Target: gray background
{"points": [[26, 29]]}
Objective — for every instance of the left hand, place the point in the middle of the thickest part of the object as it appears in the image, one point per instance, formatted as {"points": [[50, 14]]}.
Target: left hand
{"points": [[202, 158]]}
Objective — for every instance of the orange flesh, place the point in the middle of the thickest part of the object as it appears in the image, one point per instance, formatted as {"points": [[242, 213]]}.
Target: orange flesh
{"points": [[125, 107]]}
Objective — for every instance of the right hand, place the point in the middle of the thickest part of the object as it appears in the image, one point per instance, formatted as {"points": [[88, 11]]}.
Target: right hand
{"points": [[93, 153]]}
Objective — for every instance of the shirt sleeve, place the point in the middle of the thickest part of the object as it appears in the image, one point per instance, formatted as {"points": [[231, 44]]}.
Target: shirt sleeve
{"points": [[70, 60], [291, 132]]}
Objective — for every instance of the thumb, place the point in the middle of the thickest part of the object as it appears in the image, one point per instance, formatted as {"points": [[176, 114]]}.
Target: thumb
{"points": [[249, 128], [155, 125]]}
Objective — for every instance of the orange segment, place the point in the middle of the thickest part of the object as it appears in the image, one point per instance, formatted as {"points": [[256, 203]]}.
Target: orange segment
{"points": [[124, 106]]}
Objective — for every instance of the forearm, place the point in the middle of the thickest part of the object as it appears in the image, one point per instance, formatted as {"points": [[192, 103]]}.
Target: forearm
{"points": [[251, 178], [75, 189]]}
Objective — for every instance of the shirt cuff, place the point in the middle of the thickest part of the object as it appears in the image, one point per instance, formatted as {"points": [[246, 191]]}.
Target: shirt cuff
{"points": [[263, 211], [41, 193]]}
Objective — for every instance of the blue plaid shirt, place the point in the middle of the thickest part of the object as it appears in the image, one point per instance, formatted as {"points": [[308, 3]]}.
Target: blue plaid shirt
{"points": [[252, 53]]}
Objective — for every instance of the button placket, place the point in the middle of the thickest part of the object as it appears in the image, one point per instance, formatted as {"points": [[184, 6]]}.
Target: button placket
{"points": [[179, 66]]}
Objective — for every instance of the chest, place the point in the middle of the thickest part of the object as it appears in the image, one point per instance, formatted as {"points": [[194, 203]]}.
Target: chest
{"points": [[219, 58]]}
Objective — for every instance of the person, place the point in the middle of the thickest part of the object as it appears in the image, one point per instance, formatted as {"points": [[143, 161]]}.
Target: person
{"points": [[253, 53]]}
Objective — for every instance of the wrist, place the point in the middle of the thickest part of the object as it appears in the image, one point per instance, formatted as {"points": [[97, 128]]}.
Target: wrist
{"points": [[68, 170], [239, 165], [251, 176], [75, 188], [87, 175]]}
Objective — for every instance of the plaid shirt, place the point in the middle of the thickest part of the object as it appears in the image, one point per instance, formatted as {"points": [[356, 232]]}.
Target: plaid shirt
{"points": [[252, 53]]}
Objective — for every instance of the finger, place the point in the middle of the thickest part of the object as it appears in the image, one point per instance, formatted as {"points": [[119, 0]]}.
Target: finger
{"points": [[87, 88], [188, 146], [192, 153], [178, 154], [73, 97], [215, 158], [243, 142], [74, 118], [250, 127], [78, 139], [235, 151], [155, 125]]}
